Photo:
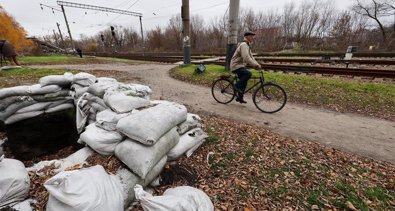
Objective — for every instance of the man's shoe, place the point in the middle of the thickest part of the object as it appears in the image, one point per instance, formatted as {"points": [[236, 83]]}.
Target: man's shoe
{"points": [[240, 100]]}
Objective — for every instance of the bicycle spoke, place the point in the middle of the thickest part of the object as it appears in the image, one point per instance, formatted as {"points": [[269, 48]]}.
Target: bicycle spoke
{"points": [[222, 91], [269, 98]]}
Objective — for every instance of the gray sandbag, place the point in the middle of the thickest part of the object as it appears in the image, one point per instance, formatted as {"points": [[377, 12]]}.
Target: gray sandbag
{"points": [[190, 140], [10, 110], [26, 205], [97, 107], [62, 94], [85, 189], [108, 119], [128, 180], [14, 182], [61, 80], [102, 141], [180, 198], [13, 91], [84, 79], [82, 112], [121, 103], [141, 158], [99, 88], [22, 116], [77, 158], [136, 90], [39, 106], [4, 103], [192, 121], [148, 125], [155, 172], [60, 107], [28, 90]]}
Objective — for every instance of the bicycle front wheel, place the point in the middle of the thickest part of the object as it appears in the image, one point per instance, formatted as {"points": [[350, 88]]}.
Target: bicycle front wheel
{"points": [[269, 98], [223, 91]]}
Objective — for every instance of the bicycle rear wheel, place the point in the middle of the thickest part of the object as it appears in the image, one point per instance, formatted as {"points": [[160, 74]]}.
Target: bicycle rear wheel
{"points": [[223, 91], [269, 98]]}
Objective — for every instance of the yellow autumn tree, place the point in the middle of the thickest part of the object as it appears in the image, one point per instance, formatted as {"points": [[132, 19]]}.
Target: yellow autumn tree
{"points": [[11, 30]]}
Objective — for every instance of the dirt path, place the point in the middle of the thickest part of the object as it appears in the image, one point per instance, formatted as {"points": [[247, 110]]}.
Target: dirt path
{"points": [[360, 135]]}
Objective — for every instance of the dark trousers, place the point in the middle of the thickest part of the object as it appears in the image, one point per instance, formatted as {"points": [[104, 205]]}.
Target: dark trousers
{"points": [[244, 75]]}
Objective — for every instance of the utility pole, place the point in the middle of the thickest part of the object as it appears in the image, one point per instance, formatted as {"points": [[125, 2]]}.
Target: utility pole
{"points": [[142, 34], [60, 33], [68, 28], [185, 31], [232, 30], [56, 37]]}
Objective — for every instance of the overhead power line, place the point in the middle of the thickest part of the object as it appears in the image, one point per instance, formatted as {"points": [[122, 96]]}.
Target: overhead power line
{"points": [[104, 9]]}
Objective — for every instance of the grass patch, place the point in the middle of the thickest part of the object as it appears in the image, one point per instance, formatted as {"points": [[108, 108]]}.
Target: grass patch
{"points": [[375, 99], [20, 76]]}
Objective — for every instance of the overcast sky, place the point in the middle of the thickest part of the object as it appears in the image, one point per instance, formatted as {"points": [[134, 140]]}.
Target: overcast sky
{"points": [[38, 22]]}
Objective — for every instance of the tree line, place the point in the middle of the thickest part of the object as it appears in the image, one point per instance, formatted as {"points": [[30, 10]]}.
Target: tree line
{"points": [[310, 25]]}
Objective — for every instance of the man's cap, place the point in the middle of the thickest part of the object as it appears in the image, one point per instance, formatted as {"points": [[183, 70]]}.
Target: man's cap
{"points": [[248, 33]]}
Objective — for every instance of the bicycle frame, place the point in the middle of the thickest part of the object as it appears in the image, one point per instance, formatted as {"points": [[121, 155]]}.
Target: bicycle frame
{"points": [[260, 82]]}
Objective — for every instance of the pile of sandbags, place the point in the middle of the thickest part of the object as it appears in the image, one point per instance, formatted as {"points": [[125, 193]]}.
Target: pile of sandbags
{"points": [[112, 118]]}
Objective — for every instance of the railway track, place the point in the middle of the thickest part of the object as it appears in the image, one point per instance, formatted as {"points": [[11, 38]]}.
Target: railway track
{"points": [[361, 72]]}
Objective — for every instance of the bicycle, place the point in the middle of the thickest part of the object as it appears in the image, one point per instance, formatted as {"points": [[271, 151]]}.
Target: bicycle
{"points": [[268, 97]]}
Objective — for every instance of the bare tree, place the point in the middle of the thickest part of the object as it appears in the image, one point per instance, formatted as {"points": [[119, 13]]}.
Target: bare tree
{"points": [[374, 9]]}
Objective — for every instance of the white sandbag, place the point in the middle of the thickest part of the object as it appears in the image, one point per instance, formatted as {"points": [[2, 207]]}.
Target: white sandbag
{"points": [[77, 158], [78, 90], [10, 110], [98, 107], [99, 88], [13, 91], [121, 103], [92, 116], [39, 106], [26, 205], [108, 119], [85, 189], [84, 79], [141, 158], [2, 141], [128, 180], [37, 89], [106, 80], [94, 99], [22, 116], [148, 125], [4, 103], [161, 203], [187, 141], [64, 93], [197, 198], [60, 107], [137, 90], [192, 121], [28, 90], [61, 80], [155, 172], [14, 181], [82, 112], [100, 140]]}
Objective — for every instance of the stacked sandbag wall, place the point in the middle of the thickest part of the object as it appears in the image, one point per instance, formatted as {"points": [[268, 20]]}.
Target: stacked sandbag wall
{"points": [[113, 118]]}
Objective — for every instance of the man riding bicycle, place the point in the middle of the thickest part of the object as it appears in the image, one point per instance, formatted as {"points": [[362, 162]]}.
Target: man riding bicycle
{"points": [[242, 57]]}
